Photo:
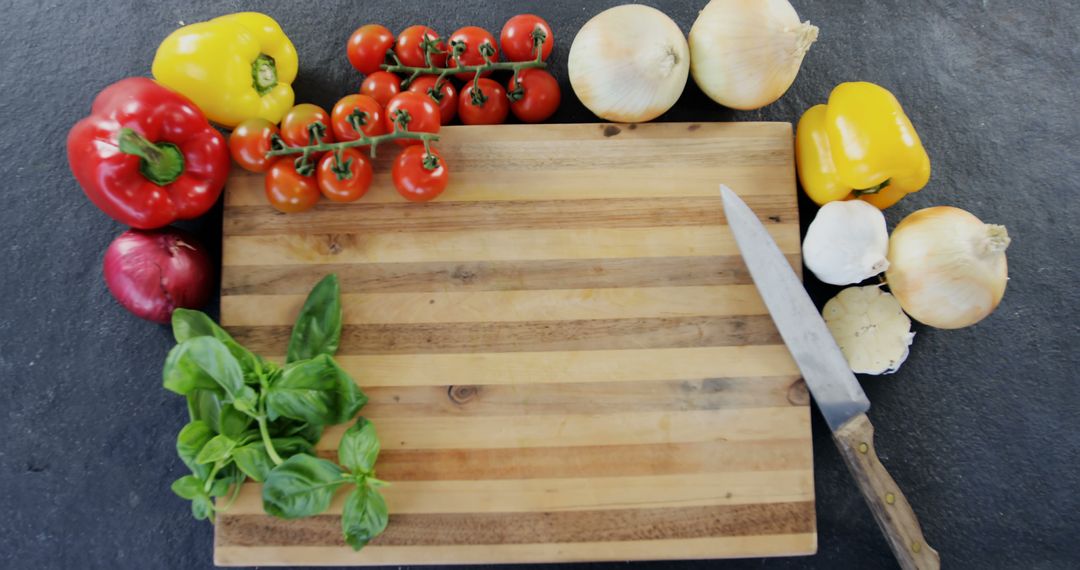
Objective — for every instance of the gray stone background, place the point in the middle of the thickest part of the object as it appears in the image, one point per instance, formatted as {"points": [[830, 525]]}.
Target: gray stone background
{"points": [[980, 426]]}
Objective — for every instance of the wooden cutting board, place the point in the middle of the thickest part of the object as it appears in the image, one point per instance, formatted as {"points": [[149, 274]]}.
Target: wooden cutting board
{"points": [[565, 355]]}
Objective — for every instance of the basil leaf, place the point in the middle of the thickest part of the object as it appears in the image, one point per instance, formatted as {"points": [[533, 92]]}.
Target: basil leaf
{"points": [[364, 517], [207, 406], [359, 447], [188, 324], [254, 461], [202, 508], [189, 442], [217, 449], [302, 486], [188, 487], [204, 363], [318, 327], [316, 391]]}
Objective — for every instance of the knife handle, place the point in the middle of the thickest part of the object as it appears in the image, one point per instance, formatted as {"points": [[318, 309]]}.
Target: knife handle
{"points": [[891, 509]]}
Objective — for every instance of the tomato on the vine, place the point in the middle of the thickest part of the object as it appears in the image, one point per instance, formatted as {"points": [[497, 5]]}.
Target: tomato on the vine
{"points": [[414, 179], [517, 38], [473, 37], [424, 116], [492, 111], [294, 127], [367, 47], [539, 95], [446, 97], [410, 49], [373, 120], [354, 184], [249, 143], [381, 86], [288, 190]]}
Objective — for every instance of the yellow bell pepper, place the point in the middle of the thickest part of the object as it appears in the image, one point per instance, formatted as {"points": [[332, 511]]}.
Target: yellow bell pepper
{"points": [[859, 146], [235, 67]]}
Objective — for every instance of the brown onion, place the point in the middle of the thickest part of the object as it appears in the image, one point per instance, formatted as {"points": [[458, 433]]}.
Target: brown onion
{"points": [[153, 272]]}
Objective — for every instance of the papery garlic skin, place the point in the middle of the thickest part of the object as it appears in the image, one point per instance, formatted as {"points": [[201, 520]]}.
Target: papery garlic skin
{"points": [[846, 243], [871, 329], [629, 63], [947, 268], [745, 54]]}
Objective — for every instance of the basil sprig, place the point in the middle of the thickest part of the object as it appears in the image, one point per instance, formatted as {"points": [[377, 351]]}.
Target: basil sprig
{"points": [[250, 418]]}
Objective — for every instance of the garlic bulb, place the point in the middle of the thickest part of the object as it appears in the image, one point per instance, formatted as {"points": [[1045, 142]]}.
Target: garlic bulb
{"points": [[846, 243], [745, 54], [871, 329], [629, 63], [946, 267]]}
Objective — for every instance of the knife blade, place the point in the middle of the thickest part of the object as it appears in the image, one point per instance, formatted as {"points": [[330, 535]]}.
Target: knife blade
{"points": [[832, 384]]}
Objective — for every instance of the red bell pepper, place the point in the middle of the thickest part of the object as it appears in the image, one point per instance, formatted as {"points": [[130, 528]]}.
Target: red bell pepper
{"points": [[147, 156]]}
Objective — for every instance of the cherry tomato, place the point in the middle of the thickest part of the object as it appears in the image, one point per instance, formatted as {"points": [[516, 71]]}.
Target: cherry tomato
{"points": [[413, 180], [294, 127], [494, 109], [381, 86], [447, 95], [517, 38], [351, 188], [540, 95], [249, 143], [367, 47], [423, 115], [288, 190], [409, 47], [373, 122], [473, 37]]}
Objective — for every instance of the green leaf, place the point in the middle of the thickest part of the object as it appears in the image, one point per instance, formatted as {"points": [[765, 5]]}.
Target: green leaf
{"points": [[188, 487], [188, 324], [315, 391], [364, 517], [205, 363], [217, 449], [255, 462], [359, 447], [202, 507], [318, 328], [189, 442], [207, 405], [302, 486]]}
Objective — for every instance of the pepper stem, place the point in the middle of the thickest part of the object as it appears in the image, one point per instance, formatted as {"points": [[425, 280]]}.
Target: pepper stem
{"points": [[161, 163], [263, 74], [872, 189]]}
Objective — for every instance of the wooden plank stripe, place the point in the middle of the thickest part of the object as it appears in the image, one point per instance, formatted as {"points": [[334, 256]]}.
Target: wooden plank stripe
{"points": [[574, 494], [359, 217], [505, 306], [465, 400], [629, 525], [486, 432], [683, 549], [593, 460], [493, 275], [530, 336], [524, 368], [688, 241]]}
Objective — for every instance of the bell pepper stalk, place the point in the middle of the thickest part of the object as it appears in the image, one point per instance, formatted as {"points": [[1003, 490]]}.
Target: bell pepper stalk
{"points": [[861, 146], [147, 156], [235, 67]]}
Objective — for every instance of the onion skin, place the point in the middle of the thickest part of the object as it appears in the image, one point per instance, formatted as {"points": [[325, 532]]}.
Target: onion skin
{"points": [[946, 267], [151, 273]]}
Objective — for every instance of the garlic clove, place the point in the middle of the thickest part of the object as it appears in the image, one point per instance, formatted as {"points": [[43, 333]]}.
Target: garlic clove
{"points": [[847, 243], [871, 329]]}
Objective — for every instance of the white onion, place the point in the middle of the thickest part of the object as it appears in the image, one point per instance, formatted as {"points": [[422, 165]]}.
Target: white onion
{"points": [[946, 267], [629, 63], [745, 54]]}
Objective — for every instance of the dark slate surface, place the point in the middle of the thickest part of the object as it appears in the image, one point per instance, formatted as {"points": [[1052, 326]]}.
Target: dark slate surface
{"points": [[980, 427]]}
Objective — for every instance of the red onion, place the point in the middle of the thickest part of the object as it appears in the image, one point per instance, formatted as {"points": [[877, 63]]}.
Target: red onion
{"points": [[153, 272]]}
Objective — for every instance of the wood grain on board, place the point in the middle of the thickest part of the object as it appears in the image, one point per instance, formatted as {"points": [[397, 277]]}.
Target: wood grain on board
{"points": [[565, 356]]}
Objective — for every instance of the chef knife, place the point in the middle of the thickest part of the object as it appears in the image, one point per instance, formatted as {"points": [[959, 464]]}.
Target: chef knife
{"points": [[831, 382]]}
